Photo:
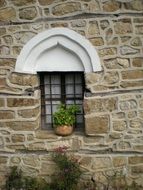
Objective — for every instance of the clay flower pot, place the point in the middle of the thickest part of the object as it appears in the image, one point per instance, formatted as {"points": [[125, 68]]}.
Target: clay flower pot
{"points": [[63, 130]]}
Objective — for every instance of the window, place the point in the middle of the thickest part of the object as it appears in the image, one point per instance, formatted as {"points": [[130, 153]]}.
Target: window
{"points": [[61, 87]]}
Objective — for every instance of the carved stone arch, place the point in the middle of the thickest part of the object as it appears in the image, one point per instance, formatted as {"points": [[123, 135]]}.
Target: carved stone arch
{"points": [[58, 49]]}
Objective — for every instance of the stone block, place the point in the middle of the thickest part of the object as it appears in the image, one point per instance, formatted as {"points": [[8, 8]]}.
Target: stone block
{"points": [[141, 103], [29, 13], [123, 26], [136, 42], [119, 161], [2, 103], [137, 170], [95, 125], [36, 146], [17, 138], [21, 102], [104, 24], [137, 62], [111, 78], [119, 125], [23, 2], [127, 50], [101, 163], [93, 28], [6, 114], [100, 105], [139, 29], [116, 63], [7, 14], [7, 62], [29, 113], [86, 162], [98, 41], [15, 160], [2, 31], [111, 6], [3, 159], [32, 161], [136, 123], [22, 37], [133, 160], [128, 105], [132, 74], [45, 2], [134, 5], [105, 52], [8, 39], [131, 84], [66, 8]]}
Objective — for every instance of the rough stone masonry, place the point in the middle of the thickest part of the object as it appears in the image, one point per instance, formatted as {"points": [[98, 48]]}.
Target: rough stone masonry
{"points": [[113, 138]]}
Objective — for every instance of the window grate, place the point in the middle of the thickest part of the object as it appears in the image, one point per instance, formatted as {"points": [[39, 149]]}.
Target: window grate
{"points": [[57, 88]]}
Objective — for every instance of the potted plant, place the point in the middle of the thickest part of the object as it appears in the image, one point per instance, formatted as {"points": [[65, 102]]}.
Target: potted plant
{"points": [[64, 119]]}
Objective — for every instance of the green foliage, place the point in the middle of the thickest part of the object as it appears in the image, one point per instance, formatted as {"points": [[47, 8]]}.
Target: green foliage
{"points": [[16, 181], [65, 115], [69, 171]]}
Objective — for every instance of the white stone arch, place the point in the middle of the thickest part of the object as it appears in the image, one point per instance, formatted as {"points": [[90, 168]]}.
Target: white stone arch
{"points": [[58, 49]]}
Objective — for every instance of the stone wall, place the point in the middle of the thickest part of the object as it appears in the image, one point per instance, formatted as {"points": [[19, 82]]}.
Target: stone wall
{"points": [[113, 137]]}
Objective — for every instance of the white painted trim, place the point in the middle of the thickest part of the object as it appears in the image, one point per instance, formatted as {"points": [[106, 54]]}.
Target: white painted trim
{"points": [[29, 59]]}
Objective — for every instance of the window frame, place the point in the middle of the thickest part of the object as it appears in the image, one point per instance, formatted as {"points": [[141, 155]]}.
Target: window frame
{"points": [[63, 95]]}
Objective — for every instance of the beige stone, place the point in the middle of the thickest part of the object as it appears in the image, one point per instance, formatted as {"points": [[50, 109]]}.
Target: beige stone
{"points": [[9, 62], [98, 41], [135, 160], [86, 162], [93, 28], [36, 146], [137, 169], [131, 84], [123, 26], [128, 50], [2, 102], [32, 161], [119, 125], [16, 138], [29, 13], [111, 6], [101, 162], [21, 102], [66, 8], [7, 114], [136, 123], [3, 159], [136, 42], [16, 50], [7, 14], [132, 74], [15, 160], [2, 31], [2, 3], [111, 77], [107, 51], [96, 124], [45, 2], [119, 161], [116, 63], [135, 5], [23, 2], [137, 62], [29, 113]]}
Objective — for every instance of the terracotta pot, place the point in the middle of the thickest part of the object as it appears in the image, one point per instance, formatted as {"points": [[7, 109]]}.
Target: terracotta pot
{"points": [[63, 130]]}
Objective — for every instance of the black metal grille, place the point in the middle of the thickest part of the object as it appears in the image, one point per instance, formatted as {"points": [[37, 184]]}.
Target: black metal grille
{"points": [[61, 87]]}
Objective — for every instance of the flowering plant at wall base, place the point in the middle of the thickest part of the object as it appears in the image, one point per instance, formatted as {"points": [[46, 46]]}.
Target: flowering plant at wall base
{"points": [[64, 119], [68, 171]]}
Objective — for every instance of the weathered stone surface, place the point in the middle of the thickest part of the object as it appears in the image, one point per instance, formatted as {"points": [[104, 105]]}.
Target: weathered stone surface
{"points": [[66, 8], [100, 105], [7, 114], [29, 113], [93, 28], [92, 6], [86, 162], [23, 2], [107, 51], [135, 160], [137, 62], [127, 50], [132, 74], [21, 102], [24, 80], [45, 2], [119, 161], [130, 84], [128, 104], [17, 138], [137, 169], [96, 124], [2, 3], [47, 168], [4, 50], [111, 6], [8, 39], [119, 125], [141, 103], [2, 102], [139, 29], [136, 123], [22, 37], [123, 26], [136, 42], [36, 146], [9, 62], [15, 160], [111, 77], [98, 41], [92, 78], [124, 145], [3, 159], [116, 63], [29, 13], [31, 161], [2, 31], [134, 5], [104, 24], [101, 162], [7, 14]]}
